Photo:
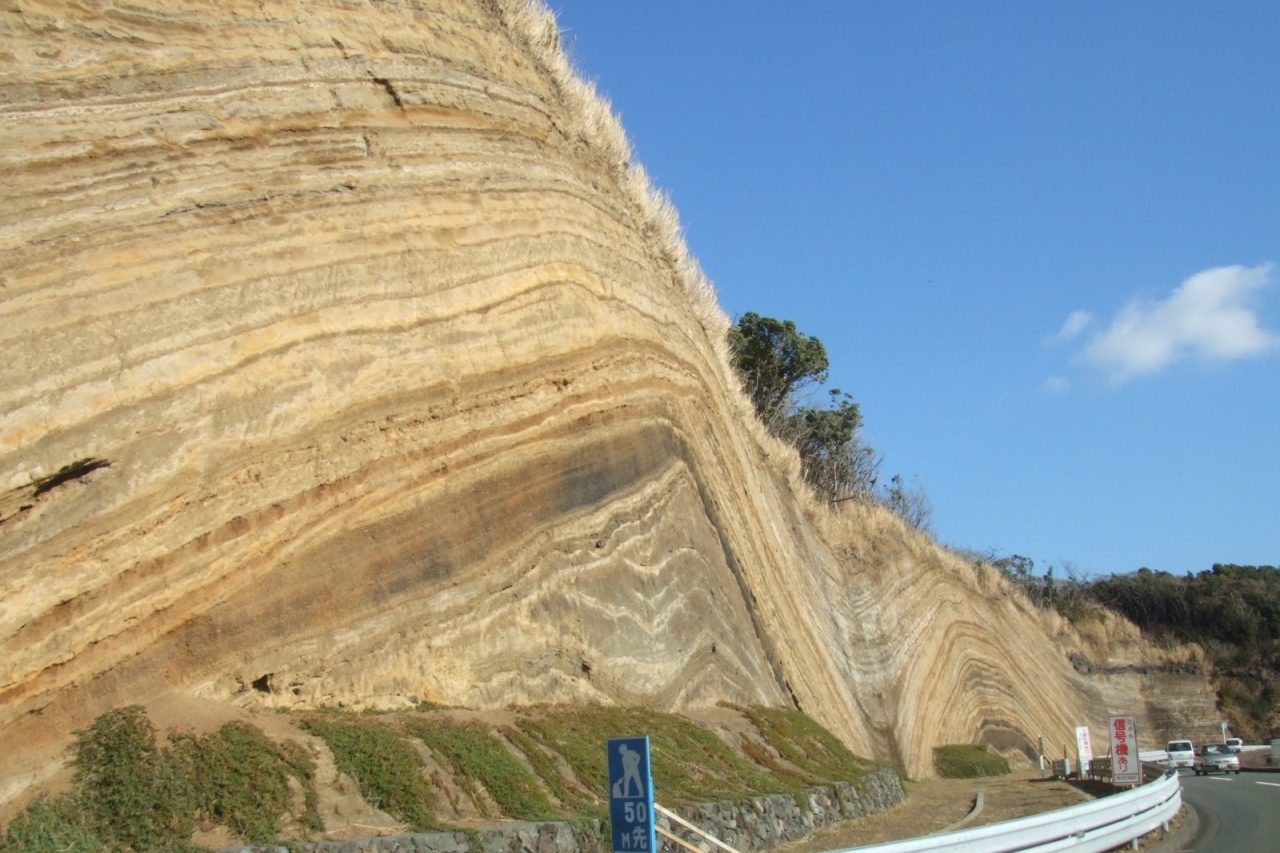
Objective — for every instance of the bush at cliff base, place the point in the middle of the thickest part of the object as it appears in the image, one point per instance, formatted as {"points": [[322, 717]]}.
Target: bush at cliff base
{"points": [[131, 794], [963, 761]]}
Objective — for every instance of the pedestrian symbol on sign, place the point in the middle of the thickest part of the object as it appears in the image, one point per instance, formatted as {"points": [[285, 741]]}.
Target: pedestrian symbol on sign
{"points": [[629, 785]]}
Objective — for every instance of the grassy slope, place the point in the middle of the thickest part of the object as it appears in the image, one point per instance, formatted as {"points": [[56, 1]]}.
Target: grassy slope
{"points": [[133, 792]]}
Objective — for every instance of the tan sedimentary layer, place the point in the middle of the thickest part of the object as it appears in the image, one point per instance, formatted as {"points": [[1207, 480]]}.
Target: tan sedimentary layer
{"points": [[397, 383]]}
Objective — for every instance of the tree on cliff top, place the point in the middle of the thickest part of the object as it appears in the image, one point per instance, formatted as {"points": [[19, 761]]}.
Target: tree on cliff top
{"points": [[909, 502], [775, 360], [836, 462]]}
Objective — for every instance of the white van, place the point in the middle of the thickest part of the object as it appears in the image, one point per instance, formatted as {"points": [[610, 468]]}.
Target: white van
{"points": [[1182, 753]]}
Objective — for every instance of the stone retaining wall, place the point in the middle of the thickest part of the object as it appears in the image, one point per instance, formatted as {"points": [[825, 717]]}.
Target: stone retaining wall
{"points": [[549, 837], [759, 823], [750, 825]]}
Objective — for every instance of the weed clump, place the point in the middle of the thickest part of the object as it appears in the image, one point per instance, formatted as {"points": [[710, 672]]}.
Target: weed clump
{"points": [[690, 763], [131, 794], [56, 825], [818, 755], [964, 761], [387, 769], [547, 770], [242, 780], [478, 758]]}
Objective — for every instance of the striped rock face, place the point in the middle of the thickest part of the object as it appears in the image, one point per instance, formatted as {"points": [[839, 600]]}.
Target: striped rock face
{"points": [[346, 359]]}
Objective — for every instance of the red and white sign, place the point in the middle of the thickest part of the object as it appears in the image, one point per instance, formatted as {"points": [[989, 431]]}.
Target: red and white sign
{"points": [[1084, 746], [1126, 768]]}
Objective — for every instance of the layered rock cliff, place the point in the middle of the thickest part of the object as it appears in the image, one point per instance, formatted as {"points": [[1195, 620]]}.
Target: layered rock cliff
{"points": [[348, 359]]}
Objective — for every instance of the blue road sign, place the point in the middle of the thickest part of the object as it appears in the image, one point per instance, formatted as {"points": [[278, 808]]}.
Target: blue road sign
{"points": [[631, 795]]}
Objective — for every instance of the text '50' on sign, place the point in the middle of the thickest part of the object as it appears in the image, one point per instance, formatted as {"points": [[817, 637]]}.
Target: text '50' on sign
{"points": [[631, 795]]}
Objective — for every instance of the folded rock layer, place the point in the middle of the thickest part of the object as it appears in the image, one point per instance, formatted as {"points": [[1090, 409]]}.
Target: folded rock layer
{"points": [[346, 359]]}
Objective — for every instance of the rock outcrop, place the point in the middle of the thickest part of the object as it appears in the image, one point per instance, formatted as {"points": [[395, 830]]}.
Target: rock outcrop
{"points": [[348, 359]]}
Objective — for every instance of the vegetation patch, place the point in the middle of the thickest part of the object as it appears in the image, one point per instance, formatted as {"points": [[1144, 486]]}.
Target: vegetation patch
{"points": [[690, 763], [818, 754], [386, 767], [58, 825], [131, 794], [241, 780], [479, 759], [135, 794], [547, 769], [964, 761]]}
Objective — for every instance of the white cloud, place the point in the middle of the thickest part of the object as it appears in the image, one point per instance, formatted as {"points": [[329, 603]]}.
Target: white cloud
{"points": [[1076, 323], [1057, 385], [1208, 316]]}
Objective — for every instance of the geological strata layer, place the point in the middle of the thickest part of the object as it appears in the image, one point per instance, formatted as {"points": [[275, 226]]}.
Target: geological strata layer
{"points": [[346, 359]]}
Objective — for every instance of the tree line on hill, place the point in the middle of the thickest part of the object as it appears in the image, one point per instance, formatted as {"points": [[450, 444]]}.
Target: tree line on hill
{"points": [[1231, 611], [778, 366]]}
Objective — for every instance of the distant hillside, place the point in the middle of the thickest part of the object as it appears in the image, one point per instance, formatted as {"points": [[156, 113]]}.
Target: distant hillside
{"points": [[1232, 612]]}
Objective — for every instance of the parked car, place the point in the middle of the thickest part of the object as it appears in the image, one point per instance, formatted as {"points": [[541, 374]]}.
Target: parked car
{"points": [[1235, 744], [1182, 753], [1216, 756]]}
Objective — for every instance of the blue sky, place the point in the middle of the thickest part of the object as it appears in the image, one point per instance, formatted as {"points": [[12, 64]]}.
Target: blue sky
{"points": [[1035, 239]]}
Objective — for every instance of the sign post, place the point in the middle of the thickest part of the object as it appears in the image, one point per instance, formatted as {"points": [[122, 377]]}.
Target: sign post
{"points": [[1084, 749], [1126, 768], [631, 795]]}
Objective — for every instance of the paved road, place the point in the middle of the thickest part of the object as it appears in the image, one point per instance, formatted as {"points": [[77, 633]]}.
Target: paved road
{"points": [[1238, 814]]}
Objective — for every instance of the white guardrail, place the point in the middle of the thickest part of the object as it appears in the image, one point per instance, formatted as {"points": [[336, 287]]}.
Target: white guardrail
{"points": [[1092, 827]]}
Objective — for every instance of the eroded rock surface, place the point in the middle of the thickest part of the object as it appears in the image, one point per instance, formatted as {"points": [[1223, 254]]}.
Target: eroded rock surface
{"points": [[346, 359]]}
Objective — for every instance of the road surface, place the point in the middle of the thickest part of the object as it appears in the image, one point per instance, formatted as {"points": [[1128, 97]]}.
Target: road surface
{"points": [[1238, 814]]}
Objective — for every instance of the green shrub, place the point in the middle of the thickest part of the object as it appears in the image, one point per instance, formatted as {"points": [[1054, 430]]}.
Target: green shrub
{"points": [[546, 769], [241, 780], [302, 764], [134, 794], [388, 770], [963, 761], [129, 794], [51, 826], [819, 755], [475, 755], [690, 763]]}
